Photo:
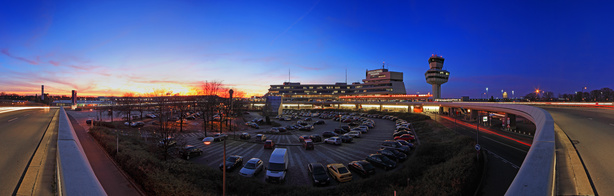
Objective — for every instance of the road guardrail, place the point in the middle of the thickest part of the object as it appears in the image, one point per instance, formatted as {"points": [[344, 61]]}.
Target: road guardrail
{"points": [[74, 173]]}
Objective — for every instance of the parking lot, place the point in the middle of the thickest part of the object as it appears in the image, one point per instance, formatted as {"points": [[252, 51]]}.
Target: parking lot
{"points": [[323, 153]]}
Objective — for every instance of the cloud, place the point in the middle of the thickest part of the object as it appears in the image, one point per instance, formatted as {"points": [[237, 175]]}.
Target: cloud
{"points": [[7, 53], [55, 63]]}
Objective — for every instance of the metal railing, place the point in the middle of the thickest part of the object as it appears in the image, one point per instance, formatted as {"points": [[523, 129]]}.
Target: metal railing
{"points": [[537, 173], [74, 173]]}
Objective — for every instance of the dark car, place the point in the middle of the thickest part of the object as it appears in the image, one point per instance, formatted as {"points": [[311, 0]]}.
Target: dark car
{"points": [[396, 145], [381, 161], [340, 131], [308, 119], [190, 151], [362, 168], [282, 129], [401, 133], [318, 174], [346, 128], [328, 134], [308, 144], [406, 143], [269, 144], [232, 162], [393, 154], [319, 122], [315, 138], [307, 127], [346, 138], [302, 138], [245, 136]]}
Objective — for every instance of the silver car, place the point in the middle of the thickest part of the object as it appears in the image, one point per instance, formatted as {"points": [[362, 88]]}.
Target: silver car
{"points": [[252, 168]]}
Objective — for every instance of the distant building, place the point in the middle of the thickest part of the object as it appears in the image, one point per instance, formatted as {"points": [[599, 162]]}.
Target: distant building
{"points": [[74, 97], [377, 82]]}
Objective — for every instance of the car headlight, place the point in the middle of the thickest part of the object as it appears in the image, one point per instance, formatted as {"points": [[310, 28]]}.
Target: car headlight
{"points": [[316, 181]]}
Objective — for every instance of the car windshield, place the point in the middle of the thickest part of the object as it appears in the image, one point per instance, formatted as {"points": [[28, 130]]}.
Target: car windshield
{"points": [[319, 170], [231, 159], [276, 166], [250, 165], [343, 170]]}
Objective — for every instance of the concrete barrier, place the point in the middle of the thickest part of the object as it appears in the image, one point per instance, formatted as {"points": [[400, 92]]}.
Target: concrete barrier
{"points": [[74, 173], [537, 173]]}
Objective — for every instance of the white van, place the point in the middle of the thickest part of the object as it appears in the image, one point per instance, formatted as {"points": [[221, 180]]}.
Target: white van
{"points": [[278, 166]]}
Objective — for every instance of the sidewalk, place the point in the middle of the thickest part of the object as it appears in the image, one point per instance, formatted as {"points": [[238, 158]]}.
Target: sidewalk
{"points": [[110, 176]]}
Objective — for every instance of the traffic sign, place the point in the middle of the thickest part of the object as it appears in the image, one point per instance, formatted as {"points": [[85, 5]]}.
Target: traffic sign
{"points": [[478, 147]]}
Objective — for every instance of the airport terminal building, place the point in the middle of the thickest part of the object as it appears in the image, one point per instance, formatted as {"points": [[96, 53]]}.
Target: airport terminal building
{"points": [[377, 82]]}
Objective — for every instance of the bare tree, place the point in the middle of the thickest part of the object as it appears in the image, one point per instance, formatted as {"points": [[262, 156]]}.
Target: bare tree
{"points": [[126, 105], [209, 102]]}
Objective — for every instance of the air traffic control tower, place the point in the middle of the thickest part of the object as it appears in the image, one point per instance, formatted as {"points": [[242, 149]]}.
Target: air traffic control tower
{"points": [[436, 76]]}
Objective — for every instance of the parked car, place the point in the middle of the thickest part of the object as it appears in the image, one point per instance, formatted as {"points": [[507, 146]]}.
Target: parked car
{"points": [[308, 144], [232, 162], [340, 131], [245, 136], [339, 172], [302, 138], [346, 128], [381, 161], [357, 134], [333, 140], [406, 137], [318, 174], [269, 144], [252, 168], [260, 137], [169, 141], [346, 138], [307, 127], [315, 138], [319, 122], [191, 117], [362, 168], [406, 143], [361, 130], [150, 116], [218, 137], [393, 154], [328, 134], [401, 133], [190, 151], [396, 145]]}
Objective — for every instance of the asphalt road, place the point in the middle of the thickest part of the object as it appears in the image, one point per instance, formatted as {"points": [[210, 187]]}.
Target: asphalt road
{"points": [[299, 157], [505, 156], [592, 132], [20, 133]]}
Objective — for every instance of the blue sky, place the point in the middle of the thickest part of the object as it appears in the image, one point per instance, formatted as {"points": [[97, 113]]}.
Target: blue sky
{"points": [[111, 47]]}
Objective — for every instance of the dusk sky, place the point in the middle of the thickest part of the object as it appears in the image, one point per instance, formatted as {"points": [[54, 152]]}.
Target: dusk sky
{"points": [[105, 48]]}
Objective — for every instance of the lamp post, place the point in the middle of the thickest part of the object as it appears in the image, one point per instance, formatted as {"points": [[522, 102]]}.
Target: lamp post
{"points": [[224, 174]]}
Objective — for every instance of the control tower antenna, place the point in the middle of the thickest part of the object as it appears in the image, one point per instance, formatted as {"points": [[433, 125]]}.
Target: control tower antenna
{"points": [[383, 64], [436, 76]]}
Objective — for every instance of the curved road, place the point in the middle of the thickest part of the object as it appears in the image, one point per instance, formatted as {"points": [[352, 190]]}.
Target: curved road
{"points": [[20, 133], [592, 132]]}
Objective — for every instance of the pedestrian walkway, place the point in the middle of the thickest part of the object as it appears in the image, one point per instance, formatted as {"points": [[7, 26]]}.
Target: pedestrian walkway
{"points": [[112, 179]]}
